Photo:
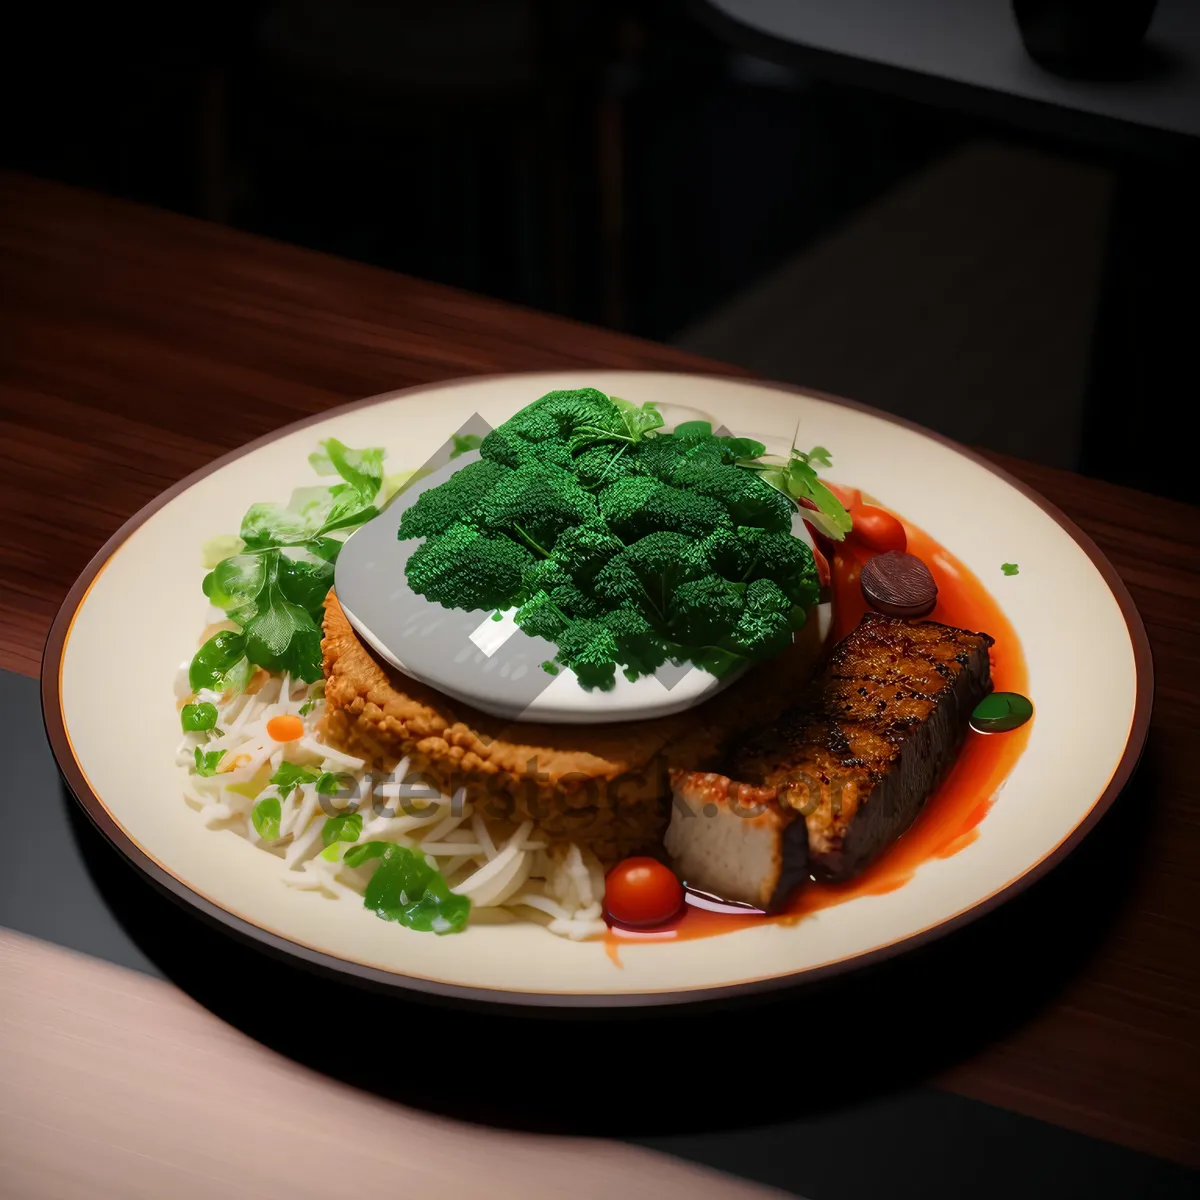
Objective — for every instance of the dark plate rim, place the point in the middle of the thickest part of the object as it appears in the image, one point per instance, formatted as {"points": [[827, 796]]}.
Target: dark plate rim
{"points": [[376, 977]]}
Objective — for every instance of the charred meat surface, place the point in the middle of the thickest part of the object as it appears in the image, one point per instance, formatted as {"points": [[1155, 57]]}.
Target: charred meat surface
{"points": [[735, 841], [872, 737]]}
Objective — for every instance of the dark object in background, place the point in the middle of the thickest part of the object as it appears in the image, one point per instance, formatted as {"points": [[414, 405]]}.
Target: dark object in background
{"points": [[1084, 37]]}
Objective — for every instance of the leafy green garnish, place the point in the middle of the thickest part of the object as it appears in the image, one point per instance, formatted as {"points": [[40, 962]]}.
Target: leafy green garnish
{"points": [[357, 855], [273, 595], [702, 431], [794, 477], [281, 634], [406, 889], [274, 583], [342, 829], [1010, 568], [197, 717], [463, 442], [265, 815], [634, 423], [218, 662], [207, 761], [288, 776], [329, 784], [235, 581], [361, 469]]}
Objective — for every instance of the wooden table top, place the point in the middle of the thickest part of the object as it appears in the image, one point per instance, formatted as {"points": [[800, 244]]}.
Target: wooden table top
{"points": [[136, 345]]}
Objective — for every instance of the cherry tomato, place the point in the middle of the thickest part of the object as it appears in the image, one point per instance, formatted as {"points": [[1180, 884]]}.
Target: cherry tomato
{"points": [[642, 892], [877, 530], [285, 728]]}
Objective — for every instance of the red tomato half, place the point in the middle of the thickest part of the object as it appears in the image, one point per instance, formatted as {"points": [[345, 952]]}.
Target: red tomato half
{"points": [[877, 530], [642, 892]]}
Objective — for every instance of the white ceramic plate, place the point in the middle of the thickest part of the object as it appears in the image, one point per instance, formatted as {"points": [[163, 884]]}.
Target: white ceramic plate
{"points": [[1084, 645]]}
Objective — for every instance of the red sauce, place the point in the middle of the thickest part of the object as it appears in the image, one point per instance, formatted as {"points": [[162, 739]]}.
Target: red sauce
{"points": [[949, 821]]}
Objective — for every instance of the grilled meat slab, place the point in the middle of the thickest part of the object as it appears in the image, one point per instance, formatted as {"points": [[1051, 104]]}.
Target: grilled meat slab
{"points": [[735, 841], [872, 737]]}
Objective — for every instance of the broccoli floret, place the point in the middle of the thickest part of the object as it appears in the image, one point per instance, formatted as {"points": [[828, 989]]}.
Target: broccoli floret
{"points": [[504, 447], [576, 601], [646, 574], [583, 549], [535, 503], [784, 559], [767, 620], [543, 430], [605, 463], [640, 505], [726, 553], [763, 629], [590, 650], [452, 502], [543, 575], [747, 499], [704, 610], [640, 647], [540, 617], [462, 568]]}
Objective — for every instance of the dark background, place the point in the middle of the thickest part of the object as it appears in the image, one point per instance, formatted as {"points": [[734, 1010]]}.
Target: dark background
{"points": [[622, 164]]}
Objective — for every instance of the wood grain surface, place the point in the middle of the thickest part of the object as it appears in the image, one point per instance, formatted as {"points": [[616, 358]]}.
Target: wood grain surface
{"points": [[136, 345], [118, 1085]]}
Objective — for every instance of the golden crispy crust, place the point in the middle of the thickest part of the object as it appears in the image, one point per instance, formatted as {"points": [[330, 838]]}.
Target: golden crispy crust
{"points": [[606, 786]]}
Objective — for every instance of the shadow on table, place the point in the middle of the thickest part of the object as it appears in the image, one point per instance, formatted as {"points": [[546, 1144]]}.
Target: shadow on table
{"points": [[779, 1057], [1152, 62]]}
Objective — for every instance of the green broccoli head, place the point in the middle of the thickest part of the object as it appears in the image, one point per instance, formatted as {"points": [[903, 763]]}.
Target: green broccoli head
{"points": [[547, 575], [536, 502], [504, 447], [645, 575], [604, 463], [623, 546], [784, 559], [747, 499], [453, 502], [640, 505], [543, 431], [582, 550], [540, 617], [704, 610], [641, 648], [462, 568], [543, 575], [763, 629], [590, 650], [767, 620], [576, 601]]}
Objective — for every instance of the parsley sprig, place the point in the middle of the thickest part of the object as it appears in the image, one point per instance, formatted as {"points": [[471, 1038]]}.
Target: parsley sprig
{"points": [[795, 475], [274, 586]]}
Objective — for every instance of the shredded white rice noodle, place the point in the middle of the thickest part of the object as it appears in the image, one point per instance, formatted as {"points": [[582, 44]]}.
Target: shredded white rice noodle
{"points": [[499, 867]]}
